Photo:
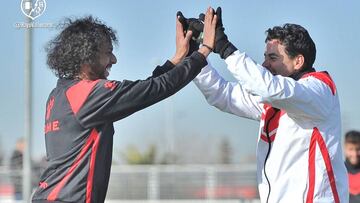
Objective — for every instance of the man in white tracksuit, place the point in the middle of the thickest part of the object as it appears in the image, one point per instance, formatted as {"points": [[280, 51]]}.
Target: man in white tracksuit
{"points": [[299, 154]]}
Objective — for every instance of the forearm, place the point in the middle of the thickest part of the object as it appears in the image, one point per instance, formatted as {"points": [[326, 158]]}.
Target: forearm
{"points": [[159, 70], [252, 76], [178, 76], [307, 97], [203, 50], [226, 96], [169, 64], [140, 94]]}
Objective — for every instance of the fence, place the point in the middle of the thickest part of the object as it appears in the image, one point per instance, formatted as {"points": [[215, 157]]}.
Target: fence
{"points": [[171, 183]]}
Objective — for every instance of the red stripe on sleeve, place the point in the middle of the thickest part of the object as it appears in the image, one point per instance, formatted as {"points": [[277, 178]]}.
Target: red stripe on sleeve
{"points": [[78, 93], [55, 192]]}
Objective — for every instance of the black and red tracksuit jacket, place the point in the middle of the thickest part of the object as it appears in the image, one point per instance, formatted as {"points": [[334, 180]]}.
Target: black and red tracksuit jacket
{"points": [[354, 182], [79, 128]]}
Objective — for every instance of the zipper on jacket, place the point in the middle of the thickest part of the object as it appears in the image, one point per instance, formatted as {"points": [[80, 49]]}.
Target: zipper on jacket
{"points": [[268, 152]]}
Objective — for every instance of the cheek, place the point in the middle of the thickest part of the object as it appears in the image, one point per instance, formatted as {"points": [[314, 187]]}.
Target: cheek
{"points": [[277, 63], [348, 153], [108, 60], [104, 60], [351, 153], [285, 71], [277, 66]]}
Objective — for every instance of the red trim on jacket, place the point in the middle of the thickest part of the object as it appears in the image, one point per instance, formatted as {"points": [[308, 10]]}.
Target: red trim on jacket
{"points": [[90, 179], [55, 192], [268, 116], [49, 107], [324, 77], [316, 138], [264, 138], [312, 151], [78, 93]]}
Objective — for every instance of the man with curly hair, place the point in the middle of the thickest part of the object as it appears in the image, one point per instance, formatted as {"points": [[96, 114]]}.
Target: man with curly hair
{"points": [[299, 154], [80, 111]]}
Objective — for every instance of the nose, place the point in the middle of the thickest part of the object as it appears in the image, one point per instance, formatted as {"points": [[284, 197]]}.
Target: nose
{"points": [[266, 64], [113, 59]]}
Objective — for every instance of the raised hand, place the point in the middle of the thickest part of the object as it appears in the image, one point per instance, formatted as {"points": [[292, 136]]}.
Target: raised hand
{"points": [[209, 32], [222, 45], [182, 43], [196, 26]]}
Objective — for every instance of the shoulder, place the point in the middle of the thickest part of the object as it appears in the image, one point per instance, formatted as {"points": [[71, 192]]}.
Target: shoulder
{"points": [[323, 77]]}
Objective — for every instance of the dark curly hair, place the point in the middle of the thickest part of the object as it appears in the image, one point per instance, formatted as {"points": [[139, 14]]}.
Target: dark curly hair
{"points": [[296, 40], [78, 43]]}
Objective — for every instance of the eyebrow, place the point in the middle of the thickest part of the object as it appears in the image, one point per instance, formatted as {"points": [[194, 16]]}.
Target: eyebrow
{"points": [[271, 55]]}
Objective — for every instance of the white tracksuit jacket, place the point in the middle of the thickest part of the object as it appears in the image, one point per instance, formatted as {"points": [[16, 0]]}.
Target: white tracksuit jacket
{"points": [[304, 160]]}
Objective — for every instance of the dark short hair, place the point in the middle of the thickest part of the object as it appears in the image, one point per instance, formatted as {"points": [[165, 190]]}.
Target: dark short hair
{"points": [[353, 137], [78, 43], [296, 40]]}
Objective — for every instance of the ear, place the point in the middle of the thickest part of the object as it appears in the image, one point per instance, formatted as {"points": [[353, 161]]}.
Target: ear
{"points": [[299, 62]]}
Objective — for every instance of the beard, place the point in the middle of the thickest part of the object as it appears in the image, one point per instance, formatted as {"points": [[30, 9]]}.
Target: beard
{"points": [[98, 72]]}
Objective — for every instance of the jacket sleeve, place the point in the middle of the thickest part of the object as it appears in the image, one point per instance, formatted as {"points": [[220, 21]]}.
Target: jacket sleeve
{"points": [[307, 97], [159, 70], [227, 96], [110, 101]]}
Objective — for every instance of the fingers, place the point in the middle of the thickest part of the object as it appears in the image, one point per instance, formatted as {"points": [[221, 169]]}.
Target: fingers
{"points": [[179, 29], [214, 20], [178, 25], [179, 14], [209, 27], [209, 12], [202, 17], [182, 19], [209, 17], [219, 15], [218, 12], [188, 36], [182, 42]]}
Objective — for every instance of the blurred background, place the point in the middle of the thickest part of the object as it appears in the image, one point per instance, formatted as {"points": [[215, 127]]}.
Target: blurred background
{"points": [[180, 148]]}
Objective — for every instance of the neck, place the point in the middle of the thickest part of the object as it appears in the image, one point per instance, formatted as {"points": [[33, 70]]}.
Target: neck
{"points": [[349, 164], [85, 76], [298, 75], [87, 73]]}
